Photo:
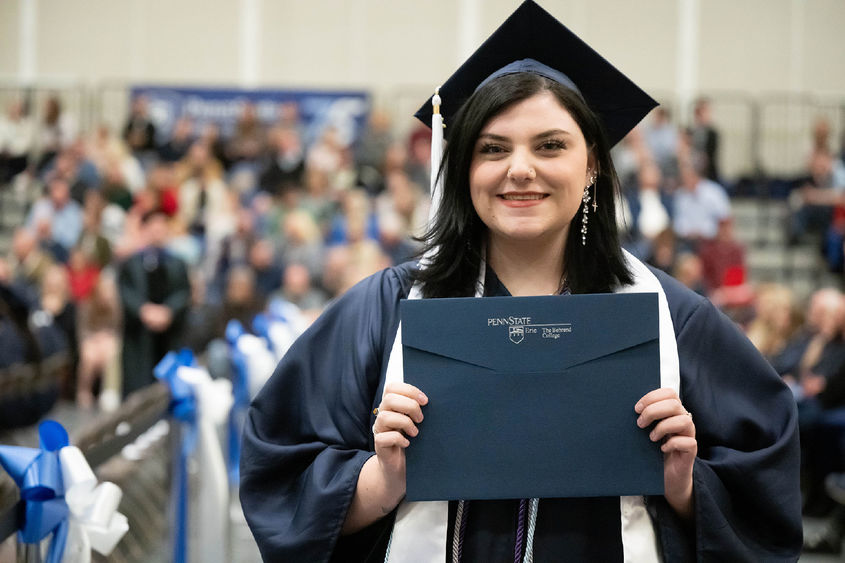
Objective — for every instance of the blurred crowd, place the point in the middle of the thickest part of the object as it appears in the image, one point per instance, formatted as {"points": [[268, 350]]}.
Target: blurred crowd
{"points": [[136, 242]]}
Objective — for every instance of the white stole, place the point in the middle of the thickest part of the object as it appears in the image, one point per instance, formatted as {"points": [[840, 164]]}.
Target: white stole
{"points": [[420, 527]]}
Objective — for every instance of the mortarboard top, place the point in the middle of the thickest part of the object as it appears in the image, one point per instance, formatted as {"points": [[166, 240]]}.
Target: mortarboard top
{"points": [[532, 33]]}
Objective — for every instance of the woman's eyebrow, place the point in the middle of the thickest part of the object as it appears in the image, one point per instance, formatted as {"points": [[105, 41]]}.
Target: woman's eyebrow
{"points": [[552, 133], [493, 137]]}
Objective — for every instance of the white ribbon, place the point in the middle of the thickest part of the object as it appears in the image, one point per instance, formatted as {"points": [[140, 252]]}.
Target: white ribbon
{"points": [[260, 360], [94, 522], [214, 400]]}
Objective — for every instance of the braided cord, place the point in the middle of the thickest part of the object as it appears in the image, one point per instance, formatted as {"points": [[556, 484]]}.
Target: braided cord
{"points": [[459, 531], [533, 508], [520, 531]]}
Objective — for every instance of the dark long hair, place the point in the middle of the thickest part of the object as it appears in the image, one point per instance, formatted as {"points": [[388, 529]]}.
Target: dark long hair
{"points": [[457, 234]]}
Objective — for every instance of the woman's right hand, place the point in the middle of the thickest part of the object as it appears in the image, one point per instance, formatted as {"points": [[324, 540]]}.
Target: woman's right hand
{"points": [[381, 482], [399, 413]]}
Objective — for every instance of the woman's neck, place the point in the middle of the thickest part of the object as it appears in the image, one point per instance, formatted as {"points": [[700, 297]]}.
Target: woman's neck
{"points": [[533, 268]]}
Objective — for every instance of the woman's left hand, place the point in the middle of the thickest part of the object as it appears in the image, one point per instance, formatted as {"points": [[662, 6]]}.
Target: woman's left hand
{"points": [[675, 428]]}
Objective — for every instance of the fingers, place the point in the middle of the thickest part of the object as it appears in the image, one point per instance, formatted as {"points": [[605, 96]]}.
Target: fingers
{"points": [[400, 408], [407, 390], [662, 394], [387, 421], [405, 399], [657, 405], [678, 425], [681, 445], [392, 439]]}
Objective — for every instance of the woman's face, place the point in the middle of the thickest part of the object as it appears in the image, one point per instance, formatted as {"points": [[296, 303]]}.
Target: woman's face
{"points": [[529, 168]]}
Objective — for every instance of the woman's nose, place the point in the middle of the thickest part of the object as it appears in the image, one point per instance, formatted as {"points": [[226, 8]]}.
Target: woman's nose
{"points": [[521, 169], [521, 173]]}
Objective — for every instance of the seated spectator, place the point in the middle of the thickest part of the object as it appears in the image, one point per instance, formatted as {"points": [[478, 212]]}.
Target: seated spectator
{"points": [[331, 155], [371, 149], [202, 316], [664, 251], [241, 301], [820, 302], [699, 203], [248, 142], [164, 188], [661, 137], [356, 213], [648, 215], [205, 204], [689, 271], [29, 262], [298, 289], [234, 249], [82, 275], [66, 165], [813, 202], [319, 199], [721, 254], [407, 201], [180, 141], [266, 267], [419, 158], [211, 138], [285, 164], [99, 334], [302, 242], [775, 322], [29, 381], [62, 214], [57, 304], [394, 239], [114, 187], [825, 349]]}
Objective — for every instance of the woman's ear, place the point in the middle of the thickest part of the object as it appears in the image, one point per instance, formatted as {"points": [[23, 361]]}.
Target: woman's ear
{"points": [[592, 169]]}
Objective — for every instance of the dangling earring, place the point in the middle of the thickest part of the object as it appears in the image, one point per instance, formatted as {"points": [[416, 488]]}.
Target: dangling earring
{"points": [[585, 199]]}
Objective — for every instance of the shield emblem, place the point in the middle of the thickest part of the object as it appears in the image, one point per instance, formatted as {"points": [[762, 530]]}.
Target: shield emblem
{"points": [[516, 334]]}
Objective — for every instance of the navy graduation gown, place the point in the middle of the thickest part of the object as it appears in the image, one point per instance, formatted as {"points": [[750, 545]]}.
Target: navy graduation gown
{"points": [[309, 432]]}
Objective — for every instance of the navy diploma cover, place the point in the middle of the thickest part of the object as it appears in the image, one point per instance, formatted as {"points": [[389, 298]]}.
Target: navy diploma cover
{"points": [[532, 396]]}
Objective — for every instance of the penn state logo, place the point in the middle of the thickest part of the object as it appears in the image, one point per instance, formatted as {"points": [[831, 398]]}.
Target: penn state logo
{"points": [[516, 333]]}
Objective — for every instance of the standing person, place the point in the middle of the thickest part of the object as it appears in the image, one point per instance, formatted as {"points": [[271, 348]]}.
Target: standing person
{"points": [[705, 138], [140, 131], [323, 464], [155, 293]]}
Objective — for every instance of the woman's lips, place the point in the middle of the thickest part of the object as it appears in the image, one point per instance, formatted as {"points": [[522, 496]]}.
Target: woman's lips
{"points": [[516, 199]]}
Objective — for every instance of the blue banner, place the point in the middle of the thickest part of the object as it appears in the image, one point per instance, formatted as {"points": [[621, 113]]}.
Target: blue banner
{"points": [[345, 111]]}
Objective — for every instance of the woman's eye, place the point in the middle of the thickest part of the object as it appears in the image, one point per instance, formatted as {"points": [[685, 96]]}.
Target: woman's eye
{"points": [[488, 148], [552, 145]]}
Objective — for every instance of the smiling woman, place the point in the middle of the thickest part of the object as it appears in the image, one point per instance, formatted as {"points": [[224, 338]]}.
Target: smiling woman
{"points": [[528, 208]]}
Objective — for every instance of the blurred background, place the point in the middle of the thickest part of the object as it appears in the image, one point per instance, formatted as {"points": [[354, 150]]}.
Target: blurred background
{"points": [[168, 167]]}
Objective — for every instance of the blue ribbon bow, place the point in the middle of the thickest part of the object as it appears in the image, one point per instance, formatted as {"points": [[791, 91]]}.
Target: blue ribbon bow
{"points": [[183, 409], [38, 474]]}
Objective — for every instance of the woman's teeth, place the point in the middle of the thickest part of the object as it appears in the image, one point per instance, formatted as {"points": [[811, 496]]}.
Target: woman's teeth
{"points": [[523, 197]]}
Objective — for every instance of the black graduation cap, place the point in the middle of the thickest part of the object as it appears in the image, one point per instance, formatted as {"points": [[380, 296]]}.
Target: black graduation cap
{"points": [[532, 33]]}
